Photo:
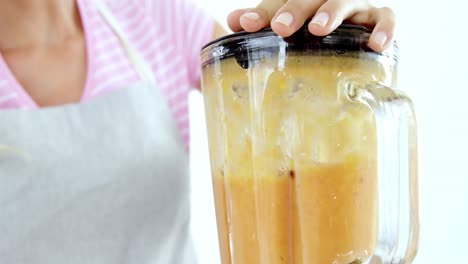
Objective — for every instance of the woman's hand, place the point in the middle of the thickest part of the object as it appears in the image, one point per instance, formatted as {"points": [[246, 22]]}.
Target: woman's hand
{"points": [[286, 16]]}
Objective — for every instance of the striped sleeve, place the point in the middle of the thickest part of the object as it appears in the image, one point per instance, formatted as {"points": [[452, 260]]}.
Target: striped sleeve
{"points": [[200, 29], [189, 26]]}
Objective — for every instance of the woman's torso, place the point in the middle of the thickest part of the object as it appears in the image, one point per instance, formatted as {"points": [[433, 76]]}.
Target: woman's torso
{"points": [[104, 181], [162, 31]]}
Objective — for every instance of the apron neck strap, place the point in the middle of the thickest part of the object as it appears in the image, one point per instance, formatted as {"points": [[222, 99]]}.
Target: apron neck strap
{"points": [[140, 65]]}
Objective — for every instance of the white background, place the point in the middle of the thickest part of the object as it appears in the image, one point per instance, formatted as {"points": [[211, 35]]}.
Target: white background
{"points": [[433, 71]]}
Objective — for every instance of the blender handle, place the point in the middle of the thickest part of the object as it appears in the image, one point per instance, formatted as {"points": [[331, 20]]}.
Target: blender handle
{"points": [[398, 205]]}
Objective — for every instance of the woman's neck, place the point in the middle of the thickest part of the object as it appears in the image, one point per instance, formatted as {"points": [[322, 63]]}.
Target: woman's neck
{"points": [[37, 23]]}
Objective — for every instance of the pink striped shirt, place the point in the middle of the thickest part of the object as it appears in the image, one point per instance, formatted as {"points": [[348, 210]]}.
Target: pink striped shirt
{"points": [[168, 33]]}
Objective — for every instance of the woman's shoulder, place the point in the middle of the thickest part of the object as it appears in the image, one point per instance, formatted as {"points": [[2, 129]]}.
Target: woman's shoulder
{"points": [[165, 29], [155, 9], [168, 17]]}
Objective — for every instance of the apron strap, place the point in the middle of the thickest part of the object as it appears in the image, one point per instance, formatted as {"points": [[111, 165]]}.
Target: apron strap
{"points": [[141, 67]]}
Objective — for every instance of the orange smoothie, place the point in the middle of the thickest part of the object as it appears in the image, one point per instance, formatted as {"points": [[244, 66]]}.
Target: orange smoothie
{"points": [[314, 215], [293, 161]]}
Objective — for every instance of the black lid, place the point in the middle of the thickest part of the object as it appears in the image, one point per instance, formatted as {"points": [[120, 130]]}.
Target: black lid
{"points": [[248, 47]]}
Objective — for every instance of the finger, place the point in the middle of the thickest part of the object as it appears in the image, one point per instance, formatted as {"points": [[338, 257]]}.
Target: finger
{"points": [[251, 19], [292, 16], [254, 19], [332, 13], [233, 20], [383, 22]]}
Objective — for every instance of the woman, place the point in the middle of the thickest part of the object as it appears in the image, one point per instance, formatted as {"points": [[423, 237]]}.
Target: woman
{"points": [[93, 95]]}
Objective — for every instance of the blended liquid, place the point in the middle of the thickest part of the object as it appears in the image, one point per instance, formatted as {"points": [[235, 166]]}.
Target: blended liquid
{"points": [[315, 216], [294, 163]]}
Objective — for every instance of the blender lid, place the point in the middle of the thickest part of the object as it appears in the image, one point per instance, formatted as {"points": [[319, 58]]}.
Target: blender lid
{"points": [[345, 40]]}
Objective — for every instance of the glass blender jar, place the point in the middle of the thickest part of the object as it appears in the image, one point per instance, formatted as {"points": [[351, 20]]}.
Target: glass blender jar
{"points": [[313, 150]]}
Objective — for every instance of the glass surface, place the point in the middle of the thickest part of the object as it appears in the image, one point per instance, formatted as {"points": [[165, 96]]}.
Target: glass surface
{"points": [[294, 154]]}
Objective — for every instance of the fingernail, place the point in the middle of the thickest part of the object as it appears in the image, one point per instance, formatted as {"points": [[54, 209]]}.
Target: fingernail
{"points": [[321, 19], [252, 16], [285, 18], [380, 38]]}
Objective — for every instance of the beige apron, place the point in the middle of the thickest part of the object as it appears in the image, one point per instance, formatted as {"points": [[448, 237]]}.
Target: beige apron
{"points": [[104, 181]]}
